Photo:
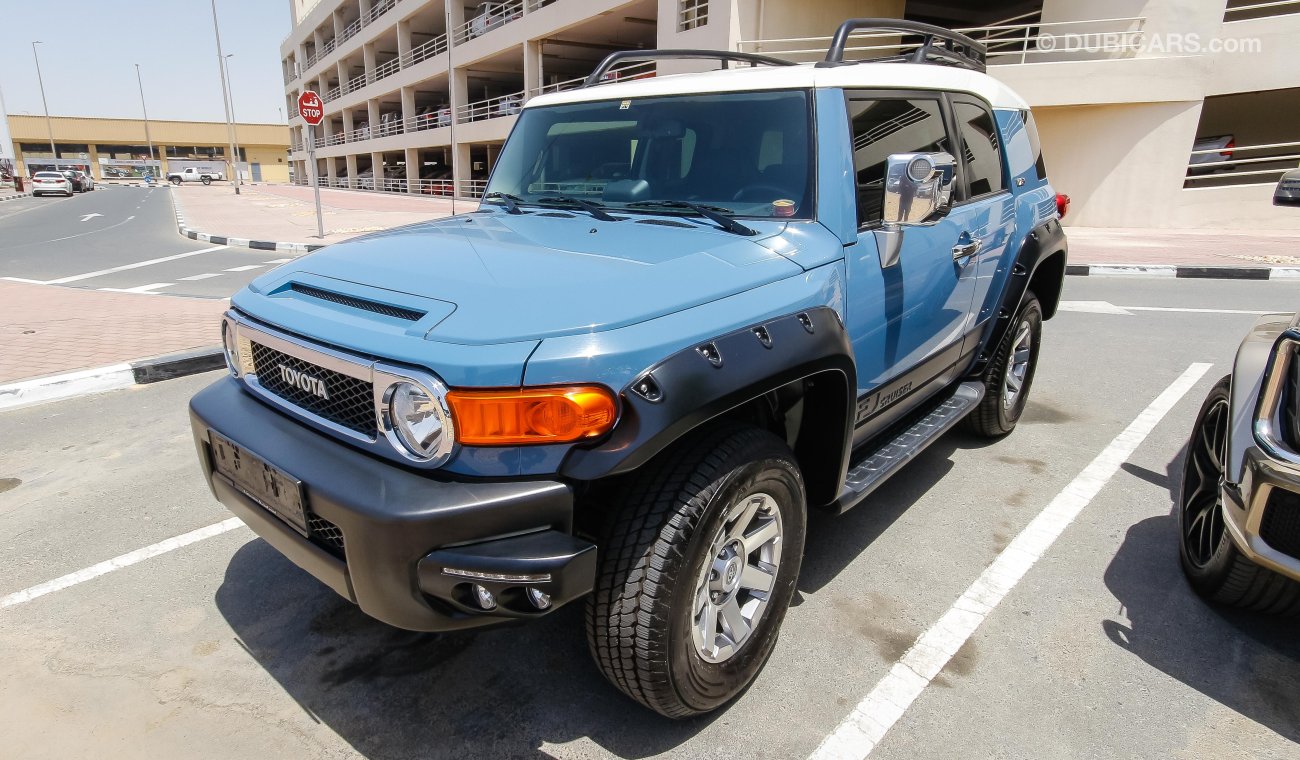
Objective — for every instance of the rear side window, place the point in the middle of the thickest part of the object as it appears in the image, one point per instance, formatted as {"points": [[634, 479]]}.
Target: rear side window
{"points": [[981, 147], [885, 126], [1035, 146]]}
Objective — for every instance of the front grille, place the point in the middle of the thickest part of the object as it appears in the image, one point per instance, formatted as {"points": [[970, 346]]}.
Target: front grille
{"points": [[350, 401], [325, 534], [410, 315], [1280, 527]]}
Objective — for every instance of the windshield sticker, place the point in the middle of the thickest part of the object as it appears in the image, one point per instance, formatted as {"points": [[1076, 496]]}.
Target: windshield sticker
{"points": [[625, 105]]}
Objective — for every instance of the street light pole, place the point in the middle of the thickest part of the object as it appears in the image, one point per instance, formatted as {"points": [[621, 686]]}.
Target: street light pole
{"points": [[225, 95], [49, 125], [152, 158], [234, 120]]}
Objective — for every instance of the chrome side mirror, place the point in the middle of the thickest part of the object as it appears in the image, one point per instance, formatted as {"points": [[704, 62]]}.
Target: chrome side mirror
{"points": [[1288, 189], [918, 191]]}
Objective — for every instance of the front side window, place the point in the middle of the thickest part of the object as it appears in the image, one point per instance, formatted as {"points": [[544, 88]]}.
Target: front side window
{"points": [[982, 149], [883, 127], [747, 154]]}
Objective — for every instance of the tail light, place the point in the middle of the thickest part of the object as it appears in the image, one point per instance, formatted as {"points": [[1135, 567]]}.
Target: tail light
{"points": [[531, 415], [1227, 149], [1062, 204]]}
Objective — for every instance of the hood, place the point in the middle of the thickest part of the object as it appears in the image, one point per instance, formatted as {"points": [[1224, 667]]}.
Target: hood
{"points": [[493, 277]]}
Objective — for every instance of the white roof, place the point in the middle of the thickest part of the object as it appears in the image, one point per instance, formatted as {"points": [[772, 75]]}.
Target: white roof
{"points": [[914, 76]]}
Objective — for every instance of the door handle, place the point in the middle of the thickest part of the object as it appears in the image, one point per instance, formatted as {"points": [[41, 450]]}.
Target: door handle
{"points": [[962, 250]]}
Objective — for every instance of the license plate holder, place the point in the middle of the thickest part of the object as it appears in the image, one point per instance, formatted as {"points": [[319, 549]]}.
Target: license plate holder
{"points": [[273, 489]]}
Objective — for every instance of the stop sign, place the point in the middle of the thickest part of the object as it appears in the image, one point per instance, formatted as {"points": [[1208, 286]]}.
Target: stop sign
{"points": [[311, 108]]}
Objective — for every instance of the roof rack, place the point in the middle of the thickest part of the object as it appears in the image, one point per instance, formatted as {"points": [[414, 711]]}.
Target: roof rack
{"points": [[957, 49], [725, 56]]}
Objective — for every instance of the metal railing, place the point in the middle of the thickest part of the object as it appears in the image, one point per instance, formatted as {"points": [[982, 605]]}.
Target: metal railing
{"points": [[534, 5], [1225, 171], [481, 25], [416, 55], [641, 70], [502, 105], [443, 188], [692, 14], [1007, 43], [473, 188], [1261, 10], [425, 51]]}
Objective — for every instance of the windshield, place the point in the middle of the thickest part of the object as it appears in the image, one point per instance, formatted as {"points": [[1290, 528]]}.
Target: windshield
{"points": [[745, 154]]}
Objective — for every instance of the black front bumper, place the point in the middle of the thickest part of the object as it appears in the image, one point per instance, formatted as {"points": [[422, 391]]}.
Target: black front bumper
{"points": [[401, 530]]}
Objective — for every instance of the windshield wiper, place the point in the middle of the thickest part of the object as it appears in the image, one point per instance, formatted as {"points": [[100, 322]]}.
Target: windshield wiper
{"points": [[715, 214], [511, 202], [569, 201]]}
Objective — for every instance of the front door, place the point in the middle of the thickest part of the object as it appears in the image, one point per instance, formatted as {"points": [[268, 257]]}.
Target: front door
{"points": [[908, 320]]}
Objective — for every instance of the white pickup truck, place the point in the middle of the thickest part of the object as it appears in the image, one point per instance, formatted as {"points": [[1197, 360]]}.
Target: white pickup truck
{"points": [[191, 174]]}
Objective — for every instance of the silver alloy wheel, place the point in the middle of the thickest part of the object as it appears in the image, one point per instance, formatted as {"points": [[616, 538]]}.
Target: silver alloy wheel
{"points": [[1013, 380], [735, 584]]}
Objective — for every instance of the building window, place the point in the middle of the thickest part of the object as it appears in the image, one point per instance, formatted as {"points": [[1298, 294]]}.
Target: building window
{"points": [[692, 13]]}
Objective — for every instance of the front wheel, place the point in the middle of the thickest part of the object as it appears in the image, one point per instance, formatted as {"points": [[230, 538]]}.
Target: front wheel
{"points": [[1215, 567], [699, 564], [1010, 374]]}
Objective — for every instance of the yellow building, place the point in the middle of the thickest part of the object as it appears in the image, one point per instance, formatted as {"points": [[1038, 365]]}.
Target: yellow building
{"points": [[117, 149]]}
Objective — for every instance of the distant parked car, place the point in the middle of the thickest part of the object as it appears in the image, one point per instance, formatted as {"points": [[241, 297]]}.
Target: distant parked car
{"points": [[78, 184], [46, 183], [1288, 189], [87, 180], [491, 15], [1204, 163]]}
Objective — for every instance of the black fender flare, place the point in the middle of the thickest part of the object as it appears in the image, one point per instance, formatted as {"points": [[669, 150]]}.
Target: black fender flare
{"points": [[711, 378], [1041, 263]]}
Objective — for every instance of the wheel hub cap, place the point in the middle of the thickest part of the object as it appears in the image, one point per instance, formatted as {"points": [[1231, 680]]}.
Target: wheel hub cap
{"points": [[1013, 379], [734, 586]]}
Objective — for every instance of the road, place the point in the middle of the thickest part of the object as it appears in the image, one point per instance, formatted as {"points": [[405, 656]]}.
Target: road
{"points": [[119, 238], [222, 648]]}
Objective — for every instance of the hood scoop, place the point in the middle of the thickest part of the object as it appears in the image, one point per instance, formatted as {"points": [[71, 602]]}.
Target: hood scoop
{"points": [[388, 310]]}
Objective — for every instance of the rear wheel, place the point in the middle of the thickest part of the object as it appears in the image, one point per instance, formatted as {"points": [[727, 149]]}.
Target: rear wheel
{"points": [[698, 567], [1010, 374], [1215, 567], [207, 180], [175, 181]]}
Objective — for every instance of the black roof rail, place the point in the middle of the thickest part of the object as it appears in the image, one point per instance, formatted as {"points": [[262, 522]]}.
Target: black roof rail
{"points": [[957, 49], [654, 55]]}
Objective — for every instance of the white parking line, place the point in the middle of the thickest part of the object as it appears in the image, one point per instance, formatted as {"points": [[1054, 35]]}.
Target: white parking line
{"points": [[278, 261], [244, 268], [1106, 307], [117, 563], [203, 276], [864, 728], [123, 268], [145, 289]]}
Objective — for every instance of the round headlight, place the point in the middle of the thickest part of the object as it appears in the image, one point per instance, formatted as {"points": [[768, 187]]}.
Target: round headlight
{"points": [[419, 421], [228, 344]]}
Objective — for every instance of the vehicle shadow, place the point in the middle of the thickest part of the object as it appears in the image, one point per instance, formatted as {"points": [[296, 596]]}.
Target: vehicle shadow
{"points": [[1247, 662], [392, 693], [494, 693]]}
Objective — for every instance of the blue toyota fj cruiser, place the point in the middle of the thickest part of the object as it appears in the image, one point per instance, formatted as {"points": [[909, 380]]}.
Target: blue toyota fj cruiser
{"points": [[689, 309]]}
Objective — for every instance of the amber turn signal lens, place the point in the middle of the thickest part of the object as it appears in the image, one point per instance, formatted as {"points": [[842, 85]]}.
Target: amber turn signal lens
{"points": [[531, 415]]}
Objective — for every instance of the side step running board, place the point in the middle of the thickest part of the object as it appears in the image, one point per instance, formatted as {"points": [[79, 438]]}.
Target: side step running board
{"points": [[875, 469]]}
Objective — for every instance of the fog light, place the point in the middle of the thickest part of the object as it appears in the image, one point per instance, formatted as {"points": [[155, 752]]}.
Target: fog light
{"points": [[540, 599], [485, 598]]}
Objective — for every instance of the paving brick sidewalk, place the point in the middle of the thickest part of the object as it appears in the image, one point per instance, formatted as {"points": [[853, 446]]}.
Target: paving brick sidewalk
{"points": [[47, 330], [287, 214], [1212, 248]]}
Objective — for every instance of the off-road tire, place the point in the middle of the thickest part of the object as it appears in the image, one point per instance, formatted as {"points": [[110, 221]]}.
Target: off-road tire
{"points": [[175, 181], [654, 544], [1227, 576], [992, 418], [206, 180]]}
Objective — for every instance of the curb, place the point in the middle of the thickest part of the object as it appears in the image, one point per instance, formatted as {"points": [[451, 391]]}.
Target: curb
{"points": [[1183, 271], [112, 377], [15, 197], [259, 245]]}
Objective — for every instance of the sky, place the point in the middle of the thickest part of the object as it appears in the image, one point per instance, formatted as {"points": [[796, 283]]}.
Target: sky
{"points": [[89, 48]]}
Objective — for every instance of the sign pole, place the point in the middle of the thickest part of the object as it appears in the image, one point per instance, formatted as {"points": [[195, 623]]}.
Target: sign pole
{"points": [[315, 180]]}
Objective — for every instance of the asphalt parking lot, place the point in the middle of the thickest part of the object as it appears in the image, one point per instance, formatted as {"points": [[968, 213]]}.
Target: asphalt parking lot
{"points": [[222, 648]]}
